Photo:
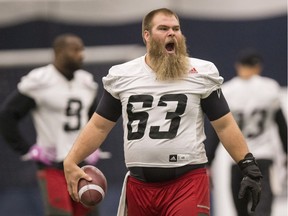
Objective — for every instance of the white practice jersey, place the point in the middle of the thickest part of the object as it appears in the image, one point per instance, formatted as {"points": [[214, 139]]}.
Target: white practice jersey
{"points": [[162, 120], [61, 106], [253, 103]]}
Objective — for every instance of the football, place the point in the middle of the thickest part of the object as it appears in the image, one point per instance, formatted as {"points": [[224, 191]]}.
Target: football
{"points": [[93, 192]]}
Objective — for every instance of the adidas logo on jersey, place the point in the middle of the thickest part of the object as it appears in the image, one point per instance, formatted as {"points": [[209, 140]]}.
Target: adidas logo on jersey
{"points": [[179, 157], [193, 70], [172, 158]]}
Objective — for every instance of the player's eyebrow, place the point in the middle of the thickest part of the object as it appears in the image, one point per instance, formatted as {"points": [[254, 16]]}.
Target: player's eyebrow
{"points": [[168, 27]]}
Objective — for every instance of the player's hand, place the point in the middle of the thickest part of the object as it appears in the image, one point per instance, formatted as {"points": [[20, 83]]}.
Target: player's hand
{"points": [[254, 186], [251, 182], [73, 174], [40, 154]]}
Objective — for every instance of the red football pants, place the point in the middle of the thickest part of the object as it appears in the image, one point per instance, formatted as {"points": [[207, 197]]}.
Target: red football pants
{"points": [[55, 194], [188, 195]]}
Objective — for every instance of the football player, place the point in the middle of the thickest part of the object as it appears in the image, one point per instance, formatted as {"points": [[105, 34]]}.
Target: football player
{"points": [[60, 97], [255, 103], [162, 97]]}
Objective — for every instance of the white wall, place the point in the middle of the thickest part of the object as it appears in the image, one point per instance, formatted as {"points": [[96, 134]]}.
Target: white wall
{"points": [[119, 11]]}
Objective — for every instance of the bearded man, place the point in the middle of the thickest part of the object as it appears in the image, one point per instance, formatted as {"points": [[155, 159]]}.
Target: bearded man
{"points": [[167, 52], [162, 98]]}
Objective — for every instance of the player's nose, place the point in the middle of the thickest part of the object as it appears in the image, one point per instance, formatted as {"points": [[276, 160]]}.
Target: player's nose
{"points": [[171, 32]]}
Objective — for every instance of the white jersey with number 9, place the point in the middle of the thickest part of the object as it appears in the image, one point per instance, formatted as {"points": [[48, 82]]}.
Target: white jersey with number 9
{"points": [[61, 106]]}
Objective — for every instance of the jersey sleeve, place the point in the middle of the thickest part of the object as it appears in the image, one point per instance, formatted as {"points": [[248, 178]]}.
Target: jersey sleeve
{"points": [[212, 80], [87, 80], [277, 89], [215, 105], [14, 108], [33, 81], [110, 84], [109, 107]]}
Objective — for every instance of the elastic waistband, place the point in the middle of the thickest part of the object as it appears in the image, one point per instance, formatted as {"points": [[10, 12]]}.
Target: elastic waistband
{"points": [[156, 174]]}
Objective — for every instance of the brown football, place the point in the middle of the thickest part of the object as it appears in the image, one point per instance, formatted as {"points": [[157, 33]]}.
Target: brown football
{"points": [[93, 192]]}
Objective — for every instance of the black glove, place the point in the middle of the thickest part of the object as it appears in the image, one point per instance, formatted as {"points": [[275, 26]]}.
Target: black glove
{"points": [[251, 180]]}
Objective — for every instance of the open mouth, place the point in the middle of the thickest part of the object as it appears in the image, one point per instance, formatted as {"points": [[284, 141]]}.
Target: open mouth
{"points": [[170, 47]]}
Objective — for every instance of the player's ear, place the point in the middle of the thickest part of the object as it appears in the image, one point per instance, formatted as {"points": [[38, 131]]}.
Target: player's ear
{"points": [[146, 36]]}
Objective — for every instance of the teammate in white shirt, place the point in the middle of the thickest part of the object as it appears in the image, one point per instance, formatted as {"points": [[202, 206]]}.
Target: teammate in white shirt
{"points": [[255, 103], [60, 97], [162, 98]]}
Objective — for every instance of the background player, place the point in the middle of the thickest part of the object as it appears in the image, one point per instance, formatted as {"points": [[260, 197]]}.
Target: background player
{"points": [[255, 103], [61, 97], [162, 97]]}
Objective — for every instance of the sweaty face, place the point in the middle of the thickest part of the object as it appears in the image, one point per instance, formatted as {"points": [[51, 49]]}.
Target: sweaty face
{"points": [[167, 49]]}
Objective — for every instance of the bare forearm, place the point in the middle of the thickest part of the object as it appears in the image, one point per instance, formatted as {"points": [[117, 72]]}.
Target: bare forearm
{"points": [[231, 137], [85, 144], [90, 138]]}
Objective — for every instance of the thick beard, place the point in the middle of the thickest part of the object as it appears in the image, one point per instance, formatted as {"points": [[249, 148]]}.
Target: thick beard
{"points": [[73, 65], [70, 67], [169, 66]]}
